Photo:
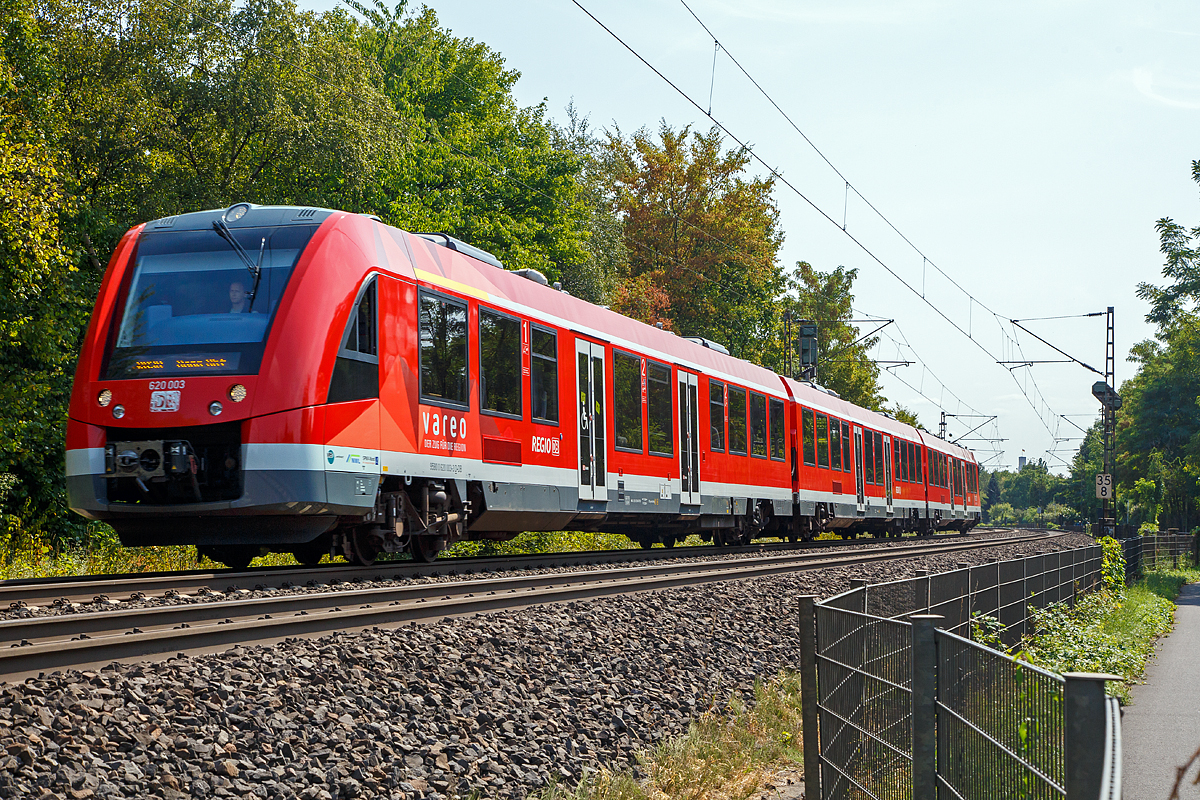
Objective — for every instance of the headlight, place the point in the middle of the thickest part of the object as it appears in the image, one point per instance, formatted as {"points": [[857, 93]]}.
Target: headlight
{"points": [[237, 393], [118, 411], [215, 408], [104, 398]]}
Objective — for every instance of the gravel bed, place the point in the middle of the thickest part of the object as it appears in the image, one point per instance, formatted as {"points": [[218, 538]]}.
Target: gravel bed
{"points": [[494, 704], [269, 586]]}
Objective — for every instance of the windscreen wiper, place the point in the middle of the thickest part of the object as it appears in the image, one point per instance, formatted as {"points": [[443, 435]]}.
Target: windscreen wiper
{"points": [[257, 274], [223, 231]]}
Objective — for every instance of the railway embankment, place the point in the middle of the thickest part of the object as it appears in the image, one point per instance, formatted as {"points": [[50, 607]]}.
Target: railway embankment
{"points": [[496, 704]]}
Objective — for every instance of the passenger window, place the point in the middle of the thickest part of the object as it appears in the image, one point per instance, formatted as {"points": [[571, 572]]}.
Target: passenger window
{"points": [[896, 459], [356, 370], [716, 417], [443, 337], [543, 375], [868, 457], [917, 460], [835, 444], [627, 392], [846, 440], [879, 458], [758, 425], [823, 441], [810, 438], [737, 420], [658, 402], [902, 458], [500, 363], [777, 435]]}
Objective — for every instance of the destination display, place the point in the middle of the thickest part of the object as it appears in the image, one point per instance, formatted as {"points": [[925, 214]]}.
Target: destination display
{"points": [[185, 363]]}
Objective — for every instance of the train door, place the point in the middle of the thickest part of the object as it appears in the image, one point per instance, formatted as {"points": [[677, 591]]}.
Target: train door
{"points": [[887, 472], [689, 440], [589, 389], [953, 485], [858, 470]]}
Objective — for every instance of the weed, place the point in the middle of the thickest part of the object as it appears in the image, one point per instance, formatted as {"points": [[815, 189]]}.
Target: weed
{"points": [[725, 755], [1107, 631]]}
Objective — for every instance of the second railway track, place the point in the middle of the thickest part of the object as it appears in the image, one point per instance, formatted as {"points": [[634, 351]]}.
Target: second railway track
{"points": [[39, 644]]}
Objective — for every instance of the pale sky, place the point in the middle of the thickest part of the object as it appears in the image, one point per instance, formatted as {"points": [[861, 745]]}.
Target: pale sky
{"points": [[1026, 148]]}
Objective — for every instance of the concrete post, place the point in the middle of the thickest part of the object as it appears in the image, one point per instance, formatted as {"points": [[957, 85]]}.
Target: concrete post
{"points": [[924, 705], [1083, 711], [808, 696], [1196, 548]]}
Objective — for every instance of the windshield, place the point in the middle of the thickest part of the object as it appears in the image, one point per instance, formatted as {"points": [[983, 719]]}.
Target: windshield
{"points": [[191, 307]]}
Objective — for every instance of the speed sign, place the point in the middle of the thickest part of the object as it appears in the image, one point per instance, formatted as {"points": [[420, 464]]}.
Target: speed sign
{"points": [[1104, 486]]}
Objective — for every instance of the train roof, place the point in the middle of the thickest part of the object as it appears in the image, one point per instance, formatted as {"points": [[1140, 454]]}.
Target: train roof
{"points": [[446, 263], [449, 269], [242, 215]]}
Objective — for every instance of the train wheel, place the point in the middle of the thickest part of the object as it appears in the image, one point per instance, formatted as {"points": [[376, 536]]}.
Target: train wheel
{"points": [[424, 548], [363, 549], [718, 538], [646, 542], [669, 541]]}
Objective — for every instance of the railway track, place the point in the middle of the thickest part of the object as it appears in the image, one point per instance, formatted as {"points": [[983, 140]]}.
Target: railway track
{"points": [[44, 643], [87, 588]]}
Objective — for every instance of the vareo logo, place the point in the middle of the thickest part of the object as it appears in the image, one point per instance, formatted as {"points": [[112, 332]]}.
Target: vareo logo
{"points": [[329, 456]]}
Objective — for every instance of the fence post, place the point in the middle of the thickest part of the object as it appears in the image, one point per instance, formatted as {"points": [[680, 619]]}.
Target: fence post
{"points": [[1083, 712], [808, 696], [1196, 548], [861, 583], [921, 582], [924, 705]]}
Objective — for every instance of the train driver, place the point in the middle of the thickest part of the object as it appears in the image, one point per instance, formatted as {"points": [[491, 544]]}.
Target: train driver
{"points": [[239, 298]]}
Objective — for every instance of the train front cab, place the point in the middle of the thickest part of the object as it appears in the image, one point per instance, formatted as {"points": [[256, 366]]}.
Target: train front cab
{"points": [[198, 411]]}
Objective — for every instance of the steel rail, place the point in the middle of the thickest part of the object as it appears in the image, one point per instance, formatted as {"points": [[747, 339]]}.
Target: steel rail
{"points": [[63, 626], [43, 591], [252, 623]]}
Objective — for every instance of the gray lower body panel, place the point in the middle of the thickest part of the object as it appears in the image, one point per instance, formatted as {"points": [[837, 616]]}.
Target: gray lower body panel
{"points": [[276, 507]]}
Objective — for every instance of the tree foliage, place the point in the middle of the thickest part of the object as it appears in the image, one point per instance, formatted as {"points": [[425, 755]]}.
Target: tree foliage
{"points": [[702, 237], [115, 113], [1157, 443]]}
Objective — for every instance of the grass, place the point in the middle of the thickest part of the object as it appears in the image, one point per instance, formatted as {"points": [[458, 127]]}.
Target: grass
{"points": [[27, 553], [727, 754], [1109, 631]]}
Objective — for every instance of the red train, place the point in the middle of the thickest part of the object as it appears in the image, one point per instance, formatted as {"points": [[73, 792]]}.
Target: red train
{"points": [[307, 380]]}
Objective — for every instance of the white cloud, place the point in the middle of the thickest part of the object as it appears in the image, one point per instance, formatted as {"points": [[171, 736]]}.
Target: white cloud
{"points": [[1165, 89]]}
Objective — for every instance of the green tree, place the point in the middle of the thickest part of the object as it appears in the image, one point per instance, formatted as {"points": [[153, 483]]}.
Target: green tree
{"points": [[40, 300], [844, 363], [1087, 463], [991, 497], [474, 164], [702, 238]]}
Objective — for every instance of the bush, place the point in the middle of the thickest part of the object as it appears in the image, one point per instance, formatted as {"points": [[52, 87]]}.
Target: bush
{"points": [[1104, 632], [1113, 566]]}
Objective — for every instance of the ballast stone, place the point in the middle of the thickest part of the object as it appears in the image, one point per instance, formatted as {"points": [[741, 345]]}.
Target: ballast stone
{"points": [[521, 697]]}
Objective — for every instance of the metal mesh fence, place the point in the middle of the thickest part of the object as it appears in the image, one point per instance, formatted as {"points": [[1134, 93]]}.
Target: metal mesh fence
{"points": [[1003, 590], [999, 721], [865, 706], [999, 725], [1157, 551]]}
